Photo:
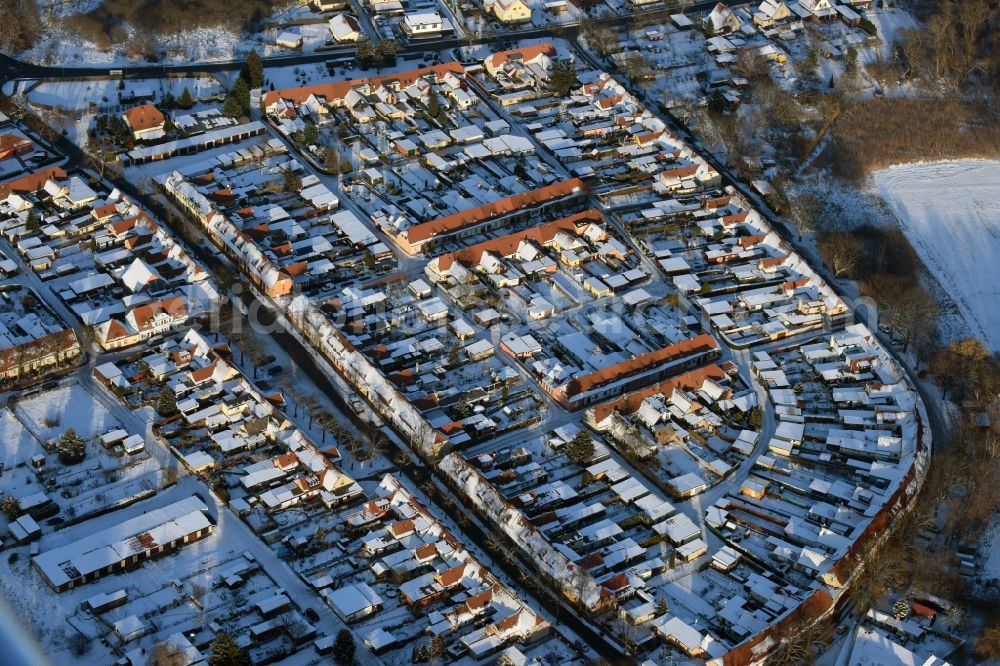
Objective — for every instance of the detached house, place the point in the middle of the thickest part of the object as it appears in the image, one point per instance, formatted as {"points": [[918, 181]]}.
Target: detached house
{"points": [[509, 11], [722, 21], [145, 121], [141, 323], [345, 28], [770, 12], [817, 10], [422, 24]]}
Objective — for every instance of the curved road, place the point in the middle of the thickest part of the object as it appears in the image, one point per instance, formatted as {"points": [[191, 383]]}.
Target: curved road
{"points": [[13, 68]]}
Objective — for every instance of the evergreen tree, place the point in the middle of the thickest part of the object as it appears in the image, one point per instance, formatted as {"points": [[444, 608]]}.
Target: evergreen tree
{"points": [[661, 607], [241, 91], [581, 448], [185, 101], [166, 403], [310, 135], [31, 224], [71, 447], [292, 182], [433, 104], [364, 53], [563, 77], [225, 651], [810, 61], [851, 63], [344, 648], [10, 507], [231, 107], [436, 648], [253, 70], [385, 52]]}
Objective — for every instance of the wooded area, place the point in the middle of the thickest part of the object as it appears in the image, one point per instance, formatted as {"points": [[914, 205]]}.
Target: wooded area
{"points": [[880, 132]]}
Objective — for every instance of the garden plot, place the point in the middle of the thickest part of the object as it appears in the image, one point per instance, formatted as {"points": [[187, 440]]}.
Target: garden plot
{"points": [[102, 480], [48, 415], [107, 95], [179, 594], [19, 446]]}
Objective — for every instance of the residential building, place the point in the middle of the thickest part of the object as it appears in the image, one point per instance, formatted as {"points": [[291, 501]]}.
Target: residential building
{"points": [[146, 122], [722, 20], [422, 24], [345, 28], [770, 12], [425, 236], [509, 11], [125, 545]]}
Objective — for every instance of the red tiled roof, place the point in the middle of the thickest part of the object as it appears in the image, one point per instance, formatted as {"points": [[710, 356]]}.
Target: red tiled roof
{"points": [[450, 577], [421, 232], [748, 241], [122, 226], [339, 89], [507, 245], [401, 527], [524, 54], [202, 374], [144, 314], [703, 342], [31, 182], [143, 117], [115, 331], [608, 102], [734, 218], [771, 262], [478, 601], [689, 381], [681, 171], [13, 143], [618, 582], [508, 622]]}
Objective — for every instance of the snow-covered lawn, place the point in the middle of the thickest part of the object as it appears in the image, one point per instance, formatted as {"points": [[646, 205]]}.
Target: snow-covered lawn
{"points": [[950, 212], [48, 415], [17, 446]]}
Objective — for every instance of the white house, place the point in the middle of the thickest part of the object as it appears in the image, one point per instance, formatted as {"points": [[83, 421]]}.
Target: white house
{"points": [[353, 601], [345, 28], [422, 24], [820, 10], [289, 40]]}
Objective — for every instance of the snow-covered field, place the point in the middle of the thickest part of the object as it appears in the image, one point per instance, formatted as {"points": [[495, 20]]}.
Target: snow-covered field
{"points": [[950, 212], [17, 446], [49, 414]]}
